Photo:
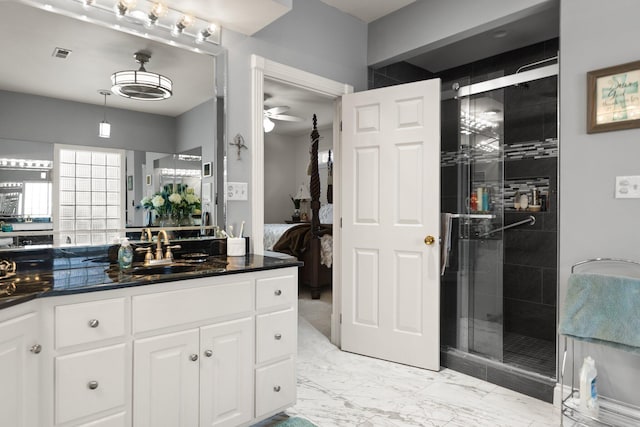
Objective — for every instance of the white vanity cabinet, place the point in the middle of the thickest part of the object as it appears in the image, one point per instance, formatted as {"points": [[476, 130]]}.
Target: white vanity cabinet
{"points": [[200, 376], [276, 342], [88, 346], [213, 351], [19, 361]]}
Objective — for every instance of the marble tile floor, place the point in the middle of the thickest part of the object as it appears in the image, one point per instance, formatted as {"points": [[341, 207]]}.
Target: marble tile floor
{"points": [[337, 388]]}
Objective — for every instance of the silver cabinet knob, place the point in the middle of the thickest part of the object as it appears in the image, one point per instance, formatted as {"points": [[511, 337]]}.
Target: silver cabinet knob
{"points": [[278, 336], [193, 357], [276, 388], [94, 323], [92, 385], [208, 353], [278, 292], [35, 349]]}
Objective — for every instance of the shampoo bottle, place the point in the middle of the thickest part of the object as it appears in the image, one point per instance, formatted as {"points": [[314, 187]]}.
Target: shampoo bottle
{"points": [[588, 390], [125, 254]]}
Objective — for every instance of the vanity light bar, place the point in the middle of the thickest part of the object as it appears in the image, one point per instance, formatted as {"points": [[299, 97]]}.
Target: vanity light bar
{"points": [[153, 14], [180, 172], [25, 163]]}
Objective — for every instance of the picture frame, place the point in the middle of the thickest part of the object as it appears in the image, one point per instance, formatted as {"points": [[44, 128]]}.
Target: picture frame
{"points": [[148, 180], [206, 169], [129, 182], [613, 98]]}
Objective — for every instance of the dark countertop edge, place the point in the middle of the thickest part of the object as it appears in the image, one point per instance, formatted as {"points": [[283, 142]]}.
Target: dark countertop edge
{"points": [[150, 280]]}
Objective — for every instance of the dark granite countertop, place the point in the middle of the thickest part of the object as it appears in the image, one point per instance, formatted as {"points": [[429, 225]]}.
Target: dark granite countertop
{"points": [[99, 275]]}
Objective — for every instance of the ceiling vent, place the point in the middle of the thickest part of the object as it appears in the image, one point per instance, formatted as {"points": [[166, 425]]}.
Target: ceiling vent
{"points": [[61, 53]]}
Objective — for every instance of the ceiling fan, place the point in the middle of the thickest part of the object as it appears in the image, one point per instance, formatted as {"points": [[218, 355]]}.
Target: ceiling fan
{"points": [[276, 113]]}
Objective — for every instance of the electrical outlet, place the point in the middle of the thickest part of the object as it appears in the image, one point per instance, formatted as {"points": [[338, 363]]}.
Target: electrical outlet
{"points": [[628, 187], [237, 190]]}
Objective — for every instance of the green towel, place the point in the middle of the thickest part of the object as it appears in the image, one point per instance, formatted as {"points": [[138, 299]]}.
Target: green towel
{"points": [[604, 309]]}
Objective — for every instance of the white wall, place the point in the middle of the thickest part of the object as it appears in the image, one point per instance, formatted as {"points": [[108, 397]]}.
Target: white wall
{"points": [[280, 177], [41, 119], [429, 24], [592, 222], [313, 37]]}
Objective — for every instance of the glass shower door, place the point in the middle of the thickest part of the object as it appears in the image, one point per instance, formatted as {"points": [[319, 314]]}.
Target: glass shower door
{"points": [[480, 207]]}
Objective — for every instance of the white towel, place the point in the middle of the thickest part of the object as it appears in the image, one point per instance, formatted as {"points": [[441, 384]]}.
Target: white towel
{"points": [[445, 243]]}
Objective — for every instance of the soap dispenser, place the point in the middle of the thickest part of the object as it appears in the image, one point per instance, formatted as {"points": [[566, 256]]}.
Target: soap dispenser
{"points": [[125, 254]]}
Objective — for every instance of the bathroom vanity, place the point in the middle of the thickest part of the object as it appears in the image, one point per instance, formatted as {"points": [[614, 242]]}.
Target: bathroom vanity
{"points": [[214, 348]]}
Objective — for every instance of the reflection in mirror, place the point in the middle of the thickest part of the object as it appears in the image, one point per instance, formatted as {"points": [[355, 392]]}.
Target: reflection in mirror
{"points": [[46, 100]]}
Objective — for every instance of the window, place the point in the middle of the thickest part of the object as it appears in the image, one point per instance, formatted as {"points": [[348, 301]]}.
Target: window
{"points": [[91, 193], [37, 199]]}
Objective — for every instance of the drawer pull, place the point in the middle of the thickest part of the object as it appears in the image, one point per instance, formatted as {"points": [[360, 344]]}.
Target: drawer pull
{"points": [[278, 292], [208, 353], [92, 385], [94, 323], [193, 357], [278, 336], [276, 388], [35, 349]]}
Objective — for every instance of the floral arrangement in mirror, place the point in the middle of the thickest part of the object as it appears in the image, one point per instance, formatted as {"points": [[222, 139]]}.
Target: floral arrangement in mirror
{"points": [[173, 207]]}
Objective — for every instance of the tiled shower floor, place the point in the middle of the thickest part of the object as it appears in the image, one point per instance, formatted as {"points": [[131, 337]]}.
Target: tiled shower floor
{"points": [[531, 354]]}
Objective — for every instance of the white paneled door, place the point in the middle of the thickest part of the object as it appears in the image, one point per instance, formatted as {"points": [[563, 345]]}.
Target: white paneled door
{"points": [[391, 223]]}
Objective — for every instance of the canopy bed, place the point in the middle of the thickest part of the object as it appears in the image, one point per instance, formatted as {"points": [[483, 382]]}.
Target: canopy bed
{"points": [[310, 242]]}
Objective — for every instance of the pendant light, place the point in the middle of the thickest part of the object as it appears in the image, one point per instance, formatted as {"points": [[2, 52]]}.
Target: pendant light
{"points": [[104, 129]]}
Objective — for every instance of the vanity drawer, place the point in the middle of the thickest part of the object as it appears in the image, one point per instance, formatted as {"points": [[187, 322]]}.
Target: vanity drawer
{"points": [[89, 382], [89, 322], [173, 308], [275, 386], [276, 334], [276, 291]]}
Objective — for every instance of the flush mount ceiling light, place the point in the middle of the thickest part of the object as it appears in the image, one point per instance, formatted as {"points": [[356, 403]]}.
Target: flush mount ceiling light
{"points": [[141, 84]]}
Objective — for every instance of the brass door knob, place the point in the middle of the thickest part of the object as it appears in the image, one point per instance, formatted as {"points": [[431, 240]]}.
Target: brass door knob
{"points": [[429, 240]]}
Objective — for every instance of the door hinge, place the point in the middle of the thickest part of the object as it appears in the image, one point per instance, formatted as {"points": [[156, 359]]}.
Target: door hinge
{"points": [[341, 318], [340, 125], [340, 222]]}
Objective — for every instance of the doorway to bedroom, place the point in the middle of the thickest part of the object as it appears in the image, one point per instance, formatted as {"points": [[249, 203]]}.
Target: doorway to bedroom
{"points": [[287, 125]]}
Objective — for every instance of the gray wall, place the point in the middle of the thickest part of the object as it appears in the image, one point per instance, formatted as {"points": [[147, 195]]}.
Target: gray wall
{"points": [[41, 119], [592, 222], [313, 37], [429, 24], [280, 164]]}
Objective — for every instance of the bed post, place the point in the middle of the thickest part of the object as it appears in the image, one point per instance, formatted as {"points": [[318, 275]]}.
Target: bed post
{"points": [[315, 213]]}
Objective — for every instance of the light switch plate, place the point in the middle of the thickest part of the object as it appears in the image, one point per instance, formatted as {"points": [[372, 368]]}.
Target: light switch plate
{"points": [[628, 187], [237, 190]]}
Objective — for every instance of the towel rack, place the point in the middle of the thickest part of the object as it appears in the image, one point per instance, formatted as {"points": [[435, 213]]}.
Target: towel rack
{"points": [[587, 261], [612, 412], [531, 219]]}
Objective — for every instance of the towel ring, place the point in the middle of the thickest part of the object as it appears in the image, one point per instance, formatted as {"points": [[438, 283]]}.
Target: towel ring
{"points": [[587, 261]]}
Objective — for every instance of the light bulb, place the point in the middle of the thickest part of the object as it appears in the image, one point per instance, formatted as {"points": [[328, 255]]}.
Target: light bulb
{"points": [[268, 125]]}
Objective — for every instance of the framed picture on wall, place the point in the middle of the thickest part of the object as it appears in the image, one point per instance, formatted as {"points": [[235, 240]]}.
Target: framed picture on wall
{"points": [[148, 180], [613, 98], [206, 169]]}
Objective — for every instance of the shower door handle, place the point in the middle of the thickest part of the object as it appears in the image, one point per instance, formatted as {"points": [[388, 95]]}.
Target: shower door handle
{"points": [[429, 240]]}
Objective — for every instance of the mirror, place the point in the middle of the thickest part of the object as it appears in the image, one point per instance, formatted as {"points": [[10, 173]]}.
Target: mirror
{"points": [[53, 71]]}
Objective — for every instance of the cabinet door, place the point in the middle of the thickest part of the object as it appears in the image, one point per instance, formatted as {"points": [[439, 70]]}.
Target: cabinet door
{"points": [[19, 372], [226, 380], [165, 380]]}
